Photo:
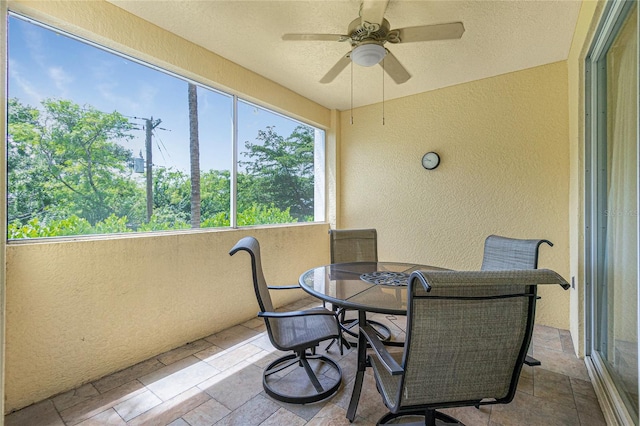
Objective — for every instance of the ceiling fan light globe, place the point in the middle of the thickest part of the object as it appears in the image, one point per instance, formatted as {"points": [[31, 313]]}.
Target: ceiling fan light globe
{"points": [[367, 55]]}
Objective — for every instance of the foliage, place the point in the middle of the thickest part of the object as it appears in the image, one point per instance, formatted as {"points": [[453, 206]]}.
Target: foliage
{"points": [[280, 171], [72, 225], [69, 173], [65, 160]]}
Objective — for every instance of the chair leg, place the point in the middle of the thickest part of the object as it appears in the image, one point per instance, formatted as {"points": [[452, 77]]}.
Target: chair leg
{"points": [[431, 418], [531, 361], [314, 380]]}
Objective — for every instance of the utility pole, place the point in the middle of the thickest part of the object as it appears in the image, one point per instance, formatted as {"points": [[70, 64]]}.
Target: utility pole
{"points": [[149, 125]]}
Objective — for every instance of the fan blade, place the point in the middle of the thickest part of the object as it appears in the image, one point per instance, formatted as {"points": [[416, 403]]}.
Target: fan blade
{"points": [[336, 69], [372, 11], [430, 32], [314, 37], [394, 68]]}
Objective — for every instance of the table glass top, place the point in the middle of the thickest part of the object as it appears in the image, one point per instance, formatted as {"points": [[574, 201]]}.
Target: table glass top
{"points": [[372, 286]]}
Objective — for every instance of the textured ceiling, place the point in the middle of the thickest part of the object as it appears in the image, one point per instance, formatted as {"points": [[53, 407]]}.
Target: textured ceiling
{"points": [[500, 37]]}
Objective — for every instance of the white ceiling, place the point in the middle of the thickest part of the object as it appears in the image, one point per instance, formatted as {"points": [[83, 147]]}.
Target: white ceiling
{"points": [[500, 37]]}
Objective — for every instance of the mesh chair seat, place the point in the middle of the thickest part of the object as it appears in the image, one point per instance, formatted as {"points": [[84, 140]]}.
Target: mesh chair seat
{"points": [[299, 332], [302, 331]]}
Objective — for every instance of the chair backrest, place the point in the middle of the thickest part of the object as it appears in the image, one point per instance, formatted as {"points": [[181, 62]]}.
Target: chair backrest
{"points": [[502, 253], [251, 246], [353, 245], [467, 334]]}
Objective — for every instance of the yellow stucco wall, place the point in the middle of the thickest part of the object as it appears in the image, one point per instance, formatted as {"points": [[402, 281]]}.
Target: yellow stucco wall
{"points": [[79, 310], [504, 170]]}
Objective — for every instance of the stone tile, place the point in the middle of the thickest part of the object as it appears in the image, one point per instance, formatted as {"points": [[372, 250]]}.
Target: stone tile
{"points": [[108, 417], [334, 415], [137, 405], [263, 342], [532, 411], [176, 378], [583, 387], [231, 357], [168, 370], [283, 417], [552, 386], [206, 414], [589, 411], [470, 415], [567, 342], [235, 386], [561, 362], [525, 381], [183, 351], [172, 409], [251, 413], [210, 352], [587, 403], [304, 411], [546, 337], [127, 375], [178, 422], [263, 359], [232, 336], [254, 323], [96, 405], [349, 365], [42, 413], [73, 397]]}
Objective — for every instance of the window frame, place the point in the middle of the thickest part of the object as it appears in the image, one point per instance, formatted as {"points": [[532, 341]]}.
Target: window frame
{"points": [[612, 19], [320, 141]]}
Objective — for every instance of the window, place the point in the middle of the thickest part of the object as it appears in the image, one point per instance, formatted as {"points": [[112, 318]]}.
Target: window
{"points": [[100, 143]]}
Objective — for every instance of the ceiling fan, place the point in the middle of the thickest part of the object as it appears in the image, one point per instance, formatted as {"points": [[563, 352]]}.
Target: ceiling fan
{"points": [[368, 34]]}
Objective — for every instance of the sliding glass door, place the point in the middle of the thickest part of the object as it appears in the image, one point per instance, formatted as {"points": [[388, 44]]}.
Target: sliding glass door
{"points": [[612, 222]]}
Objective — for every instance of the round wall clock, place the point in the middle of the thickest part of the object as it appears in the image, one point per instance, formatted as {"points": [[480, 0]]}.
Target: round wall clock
{"points": [[430, 160]]}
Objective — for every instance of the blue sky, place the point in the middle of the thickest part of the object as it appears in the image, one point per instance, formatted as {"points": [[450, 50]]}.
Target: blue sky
{"points": [[45, 64]]}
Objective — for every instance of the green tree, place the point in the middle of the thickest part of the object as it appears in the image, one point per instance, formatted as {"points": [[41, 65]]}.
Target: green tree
{"points": [[68, 160], [28, 196], [69, 174], [279, 172]]}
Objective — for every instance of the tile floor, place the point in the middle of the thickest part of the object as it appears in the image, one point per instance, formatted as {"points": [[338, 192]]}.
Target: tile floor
{"points": [[218, 380]]}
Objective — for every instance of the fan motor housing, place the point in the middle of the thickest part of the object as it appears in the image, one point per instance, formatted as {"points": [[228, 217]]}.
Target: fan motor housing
{"points": [[360, 32]]}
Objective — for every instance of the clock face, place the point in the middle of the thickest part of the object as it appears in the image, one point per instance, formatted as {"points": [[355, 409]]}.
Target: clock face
{"points": [[430, 160]]}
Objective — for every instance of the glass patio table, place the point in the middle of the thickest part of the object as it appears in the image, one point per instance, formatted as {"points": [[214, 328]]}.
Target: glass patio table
{"points": [[379, 287]]}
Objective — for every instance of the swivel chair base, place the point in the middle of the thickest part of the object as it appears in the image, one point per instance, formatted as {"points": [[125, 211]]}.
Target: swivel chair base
{"points": [[322, 387], [431, 418]]}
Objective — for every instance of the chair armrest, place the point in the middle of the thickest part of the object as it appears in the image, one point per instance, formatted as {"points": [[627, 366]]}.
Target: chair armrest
{"points": [[291, 314], [381, 352], [284, 287]]}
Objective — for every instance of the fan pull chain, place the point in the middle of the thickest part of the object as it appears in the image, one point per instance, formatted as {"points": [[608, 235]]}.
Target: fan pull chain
{"points": [[383, 91], [352, 92]]}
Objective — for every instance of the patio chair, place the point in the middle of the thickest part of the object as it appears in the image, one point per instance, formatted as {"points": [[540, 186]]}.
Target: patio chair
{"points": [[502, 253], [467, 336], [355, 245], [298, 332]]}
